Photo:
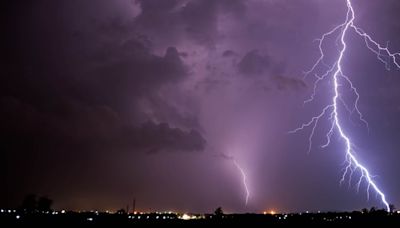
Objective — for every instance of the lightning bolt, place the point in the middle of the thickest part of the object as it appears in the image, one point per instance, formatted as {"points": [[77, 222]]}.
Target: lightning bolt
{"points": [[335, 73], [241, 171], [243, 180]]}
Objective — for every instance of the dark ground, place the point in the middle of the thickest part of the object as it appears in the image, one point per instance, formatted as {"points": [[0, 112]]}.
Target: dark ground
{"points": [[91, 219]]}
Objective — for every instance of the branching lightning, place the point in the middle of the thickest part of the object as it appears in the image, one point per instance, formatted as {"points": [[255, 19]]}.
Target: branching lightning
{"points": [[335, 73], [243, 180]]}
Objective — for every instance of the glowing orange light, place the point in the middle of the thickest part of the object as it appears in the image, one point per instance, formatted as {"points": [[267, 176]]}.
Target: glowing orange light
{"points": [[271, 212]]}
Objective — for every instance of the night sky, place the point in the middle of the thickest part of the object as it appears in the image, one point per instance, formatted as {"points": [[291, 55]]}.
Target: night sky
{"points": [[105, 101]]}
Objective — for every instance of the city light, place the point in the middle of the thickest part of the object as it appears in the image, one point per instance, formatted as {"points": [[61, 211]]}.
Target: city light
{"points": [[271, 212], [185, 217]]}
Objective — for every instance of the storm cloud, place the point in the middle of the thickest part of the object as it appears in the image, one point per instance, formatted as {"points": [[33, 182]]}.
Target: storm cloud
{"points": [[118, 99]]}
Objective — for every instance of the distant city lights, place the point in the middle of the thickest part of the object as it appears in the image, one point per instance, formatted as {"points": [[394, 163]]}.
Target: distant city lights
{"points": [[185, 217], [271, 212], [274, 215]]}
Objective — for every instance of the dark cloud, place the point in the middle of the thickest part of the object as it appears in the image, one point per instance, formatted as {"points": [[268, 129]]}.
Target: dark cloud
{"points": [[70, 91], [258, 65], [159, 19], [284, 83], [161, 137], [229, 53], [178, 19], [130, 71], [84, 129], [254, 63], [201, 19]]}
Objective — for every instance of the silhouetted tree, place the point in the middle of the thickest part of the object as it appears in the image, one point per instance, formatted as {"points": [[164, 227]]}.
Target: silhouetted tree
{"points": [[392, 208], [29, 203], [372, 210], [121, 212], [32, 204], [219, 212], [364, 210], [44, 204]]}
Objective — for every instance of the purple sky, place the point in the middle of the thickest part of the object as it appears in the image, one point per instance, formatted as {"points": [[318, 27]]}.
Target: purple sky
{"points": [[105, 101]]}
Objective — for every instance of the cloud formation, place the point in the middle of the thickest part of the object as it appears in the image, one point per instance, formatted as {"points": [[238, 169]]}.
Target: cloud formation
{"points": [[109, 95]]}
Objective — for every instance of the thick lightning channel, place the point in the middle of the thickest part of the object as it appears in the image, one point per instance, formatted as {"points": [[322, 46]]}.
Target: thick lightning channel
{"points": [[244, 181], [338, 79]]}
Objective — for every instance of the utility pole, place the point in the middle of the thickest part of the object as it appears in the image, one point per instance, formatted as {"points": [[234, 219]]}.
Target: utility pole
{"points": [[134, 205]]}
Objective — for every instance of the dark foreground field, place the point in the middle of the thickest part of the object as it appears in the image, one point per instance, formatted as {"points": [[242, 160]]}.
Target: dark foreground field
{"points": [[92, 219]]}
